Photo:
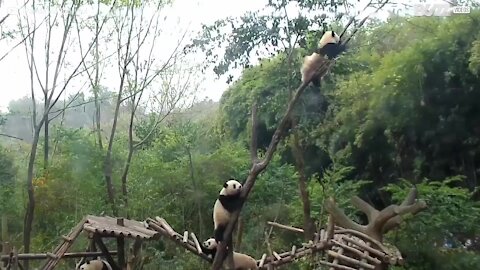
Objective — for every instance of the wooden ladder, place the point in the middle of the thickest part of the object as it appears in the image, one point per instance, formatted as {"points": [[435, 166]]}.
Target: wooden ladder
{"points": [[60, 250]]}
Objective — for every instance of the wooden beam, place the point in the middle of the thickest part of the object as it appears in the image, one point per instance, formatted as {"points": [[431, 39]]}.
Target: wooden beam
{"points": [[42, 256], [92, 247], [121, 253], [105, 252]]}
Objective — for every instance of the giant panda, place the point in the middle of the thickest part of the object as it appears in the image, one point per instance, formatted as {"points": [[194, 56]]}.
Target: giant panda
{"points": [[97, 264], [329, 47], [227, 202], [240, 260]]}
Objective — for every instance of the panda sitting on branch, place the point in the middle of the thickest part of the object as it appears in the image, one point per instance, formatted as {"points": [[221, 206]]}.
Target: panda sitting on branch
{"points": [[329, 47]]}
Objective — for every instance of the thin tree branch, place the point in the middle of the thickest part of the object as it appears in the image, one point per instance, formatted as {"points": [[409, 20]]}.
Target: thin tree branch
{"points": [[10, 136], [254, 139], [364, 207]]}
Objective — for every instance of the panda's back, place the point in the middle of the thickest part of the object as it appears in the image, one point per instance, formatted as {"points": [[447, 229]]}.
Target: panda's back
{"points": [[243, 261]]}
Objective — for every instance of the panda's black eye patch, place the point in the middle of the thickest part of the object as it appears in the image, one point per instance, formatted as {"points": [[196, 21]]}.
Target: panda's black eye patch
{"points": [[234, 186]]}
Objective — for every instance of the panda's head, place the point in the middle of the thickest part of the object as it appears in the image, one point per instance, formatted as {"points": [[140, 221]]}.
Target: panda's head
{"points": [[86, 266], [97, 264], [329, 37], [231, 187], [210, 244]]}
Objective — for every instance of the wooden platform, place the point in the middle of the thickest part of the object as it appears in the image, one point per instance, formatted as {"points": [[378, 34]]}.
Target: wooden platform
{"points": [[109, 227]]}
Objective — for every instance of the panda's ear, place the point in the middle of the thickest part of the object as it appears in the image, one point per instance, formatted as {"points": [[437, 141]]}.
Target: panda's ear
{"points": [[333, 34]]}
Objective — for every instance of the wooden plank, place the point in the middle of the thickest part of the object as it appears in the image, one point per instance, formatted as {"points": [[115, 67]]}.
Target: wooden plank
{"points": [[118, 227]]}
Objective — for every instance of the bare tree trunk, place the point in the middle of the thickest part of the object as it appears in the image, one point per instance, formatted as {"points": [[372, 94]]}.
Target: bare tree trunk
{"points": [[308, 224], [96, 87], [123, 73], [129, 159], [28, 219], [45, 139], [29, 214], [49, 92]]}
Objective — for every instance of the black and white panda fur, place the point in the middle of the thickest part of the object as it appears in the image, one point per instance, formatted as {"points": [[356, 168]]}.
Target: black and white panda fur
{"points": [[329, 47], [240, 260], [227, 202], [97, 264]]}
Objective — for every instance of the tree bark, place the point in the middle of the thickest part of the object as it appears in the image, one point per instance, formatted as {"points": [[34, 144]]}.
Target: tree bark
{"points": [[29, 214], [308, 224], [108, 157], [96, 87], [129, 159]]}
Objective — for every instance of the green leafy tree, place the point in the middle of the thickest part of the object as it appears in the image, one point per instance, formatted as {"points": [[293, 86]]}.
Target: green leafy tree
{"points": [[443, 236]]}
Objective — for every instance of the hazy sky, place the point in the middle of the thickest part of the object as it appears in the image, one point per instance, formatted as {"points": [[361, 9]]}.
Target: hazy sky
{"points": [[14, 69]]}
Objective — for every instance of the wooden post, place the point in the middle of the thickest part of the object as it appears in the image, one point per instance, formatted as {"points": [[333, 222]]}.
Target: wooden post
{"points": [[103, 248], [121, 252], [121, 246], [14, 259], [120, 222]]}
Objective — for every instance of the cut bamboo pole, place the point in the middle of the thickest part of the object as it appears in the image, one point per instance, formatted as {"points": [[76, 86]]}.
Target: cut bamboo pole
{"points": [[185, 236], [292, 253], [262, 260], [277, 256], [335, 259], [365, 247], [197, 244], [339, 256], [358, 252], [336, 266]]}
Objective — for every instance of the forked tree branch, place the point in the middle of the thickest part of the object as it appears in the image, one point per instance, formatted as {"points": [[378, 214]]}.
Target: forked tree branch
{"points": [[379, 222]]}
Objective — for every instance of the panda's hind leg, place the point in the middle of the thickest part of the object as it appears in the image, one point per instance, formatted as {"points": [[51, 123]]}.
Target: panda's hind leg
{"points": [[218, 234]]}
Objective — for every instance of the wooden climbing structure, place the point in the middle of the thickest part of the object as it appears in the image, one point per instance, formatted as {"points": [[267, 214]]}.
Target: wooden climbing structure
{"points": [[343, 244], [97, 228]]}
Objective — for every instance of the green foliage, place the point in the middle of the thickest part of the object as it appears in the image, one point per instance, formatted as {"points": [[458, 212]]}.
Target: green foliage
{"points": [[334, 183], [405, 115], [474, 61], [273, 29], [7, 182], [434, 239], [402, 103], [268, 85], [2, 120]]}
